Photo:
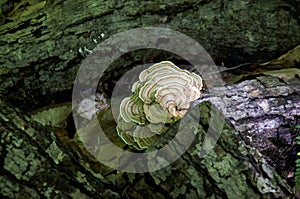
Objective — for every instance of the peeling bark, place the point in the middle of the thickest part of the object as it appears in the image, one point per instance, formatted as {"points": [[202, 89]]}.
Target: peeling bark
{"points": [[263, 104], [265, 109]]}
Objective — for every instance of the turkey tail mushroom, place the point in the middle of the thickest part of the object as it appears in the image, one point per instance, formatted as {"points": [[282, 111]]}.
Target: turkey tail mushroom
{"points": [[162, 95]]}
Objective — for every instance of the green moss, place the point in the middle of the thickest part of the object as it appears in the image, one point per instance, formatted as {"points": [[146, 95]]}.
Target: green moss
{"points": [[197, 183], [178, 190], [232, 181], [16, 163], [55, 153], [81, 177], [7, 188]]}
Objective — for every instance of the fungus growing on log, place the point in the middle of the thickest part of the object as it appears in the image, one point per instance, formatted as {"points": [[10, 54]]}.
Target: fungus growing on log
{"points": [[162, 95]]}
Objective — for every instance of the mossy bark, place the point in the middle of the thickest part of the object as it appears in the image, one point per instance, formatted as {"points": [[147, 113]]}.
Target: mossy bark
{"points": [[37, 164], [40, 56], [41, 51]]}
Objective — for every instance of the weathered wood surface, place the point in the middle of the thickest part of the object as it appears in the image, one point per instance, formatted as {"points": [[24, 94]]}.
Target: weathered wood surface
{"points": [[262, 106], [265, 109], [41, 51], [36, 164]]}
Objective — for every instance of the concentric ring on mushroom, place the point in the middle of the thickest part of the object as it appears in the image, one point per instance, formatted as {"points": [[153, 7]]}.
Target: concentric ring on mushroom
{"points": [[162, 95], [160, 98]]}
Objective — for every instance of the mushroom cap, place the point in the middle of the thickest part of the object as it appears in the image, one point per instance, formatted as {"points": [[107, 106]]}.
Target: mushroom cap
{"points": [[126, 136], [170, 86], [156, 114], [132, 111], [162, 94], [164, 67], [158, 128], [147, 91], [140, 137]]}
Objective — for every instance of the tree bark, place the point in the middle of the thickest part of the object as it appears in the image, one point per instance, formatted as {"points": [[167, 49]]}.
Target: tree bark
{"points": [[41, 51], [36, 164], [40, 56], [265, 109], [261, 106]]}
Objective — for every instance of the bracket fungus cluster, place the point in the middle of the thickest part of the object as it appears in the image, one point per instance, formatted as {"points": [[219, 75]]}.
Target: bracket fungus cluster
{"points": [[161, 96]]}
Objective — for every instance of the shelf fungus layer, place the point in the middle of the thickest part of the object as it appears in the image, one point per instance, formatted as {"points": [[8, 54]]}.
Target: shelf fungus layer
{"points": [[162, 95]]}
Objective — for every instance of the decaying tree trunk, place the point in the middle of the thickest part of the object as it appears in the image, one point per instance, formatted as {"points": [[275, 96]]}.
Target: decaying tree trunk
{"points": [[262, 106], [265, 110], [36, 164], [40, 54], [41, 50]]}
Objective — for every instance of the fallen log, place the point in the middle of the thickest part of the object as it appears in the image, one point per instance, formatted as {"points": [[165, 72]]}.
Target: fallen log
{"points": [[37, 164]]}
